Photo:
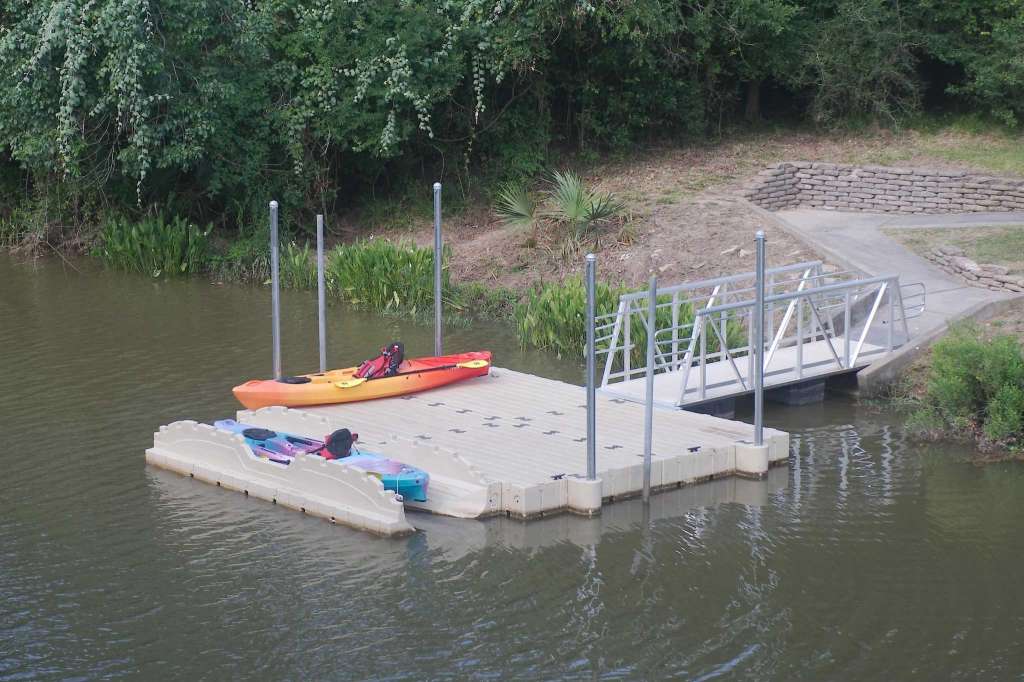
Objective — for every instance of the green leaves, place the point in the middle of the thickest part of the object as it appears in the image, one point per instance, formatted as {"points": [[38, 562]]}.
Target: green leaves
{"points": [[552, 316], [154, 246], [382, 275], [975, 387], [516, 207], [568, 202]]}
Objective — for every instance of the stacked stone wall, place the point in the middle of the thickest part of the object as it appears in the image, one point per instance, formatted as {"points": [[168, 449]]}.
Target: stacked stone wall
{"points": [[995, 277], [881, 189]]}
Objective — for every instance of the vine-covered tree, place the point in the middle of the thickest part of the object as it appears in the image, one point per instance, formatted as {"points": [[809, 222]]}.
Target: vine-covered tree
{"points": [[209, 106]]}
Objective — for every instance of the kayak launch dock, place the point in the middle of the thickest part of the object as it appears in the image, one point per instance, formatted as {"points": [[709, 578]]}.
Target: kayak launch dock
{"points": [[506, 443], [514, 444]]}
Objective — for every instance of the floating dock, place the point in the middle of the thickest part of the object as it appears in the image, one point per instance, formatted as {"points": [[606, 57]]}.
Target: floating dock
{"points": [[507, 443]]}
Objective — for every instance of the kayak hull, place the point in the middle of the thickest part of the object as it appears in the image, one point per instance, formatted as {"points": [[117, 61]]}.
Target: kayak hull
{"points": [[419, 374]]}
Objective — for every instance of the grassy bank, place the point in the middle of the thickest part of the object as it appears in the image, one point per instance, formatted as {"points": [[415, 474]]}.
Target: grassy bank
{"points": [[996, 244]]}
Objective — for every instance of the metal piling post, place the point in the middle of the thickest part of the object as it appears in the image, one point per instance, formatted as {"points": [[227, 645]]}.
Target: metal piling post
{"points": [[438, 258], [591, 367], [757, 344], [275, 285], [321, 292], [652, 328]]}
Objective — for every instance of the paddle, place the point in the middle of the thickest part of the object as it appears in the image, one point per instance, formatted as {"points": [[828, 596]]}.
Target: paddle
{"points": [[472, 364]]}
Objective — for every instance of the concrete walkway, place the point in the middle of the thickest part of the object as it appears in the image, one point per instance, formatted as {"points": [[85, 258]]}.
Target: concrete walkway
{"points": [[856, 240]]}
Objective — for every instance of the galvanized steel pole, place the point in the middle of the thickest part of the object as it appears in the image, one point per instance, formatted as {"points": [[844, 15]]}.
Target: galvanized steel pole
{"points": [[757, 347], [438, 257], [652, 328], [275, 287], [321, 292], [591, 367]]}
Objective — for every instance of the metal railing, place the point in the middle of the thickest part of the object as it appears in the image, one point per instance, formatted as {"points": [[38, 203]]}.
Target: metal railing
{"points": [[709, 324]]}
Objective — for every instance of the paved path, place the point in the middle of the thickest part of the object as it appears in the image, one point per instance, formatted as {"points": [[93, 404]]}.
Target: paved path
{"points": [[856, 240]]}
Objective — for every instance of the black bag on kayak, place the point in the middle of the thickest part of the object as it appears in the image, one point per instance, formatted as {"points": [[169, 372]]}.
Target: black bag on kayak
{"points": [[384, 365]]}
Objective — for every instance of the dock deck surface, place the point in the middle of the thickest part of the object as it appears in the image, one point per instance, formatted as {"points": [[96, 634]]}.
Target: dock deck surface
{"points": [[526, 435]]}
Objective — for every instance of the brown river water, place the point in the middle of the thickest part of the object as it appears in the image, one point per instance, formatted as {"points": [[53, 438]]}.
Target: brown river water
{"points": [[870, 558]]}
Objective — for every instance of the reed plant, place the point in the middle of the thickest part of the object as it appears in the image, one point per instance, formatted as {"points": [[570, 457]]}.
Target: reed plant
{"points": [[156, 246], [298, 266], [552, 316], [385, 276]]}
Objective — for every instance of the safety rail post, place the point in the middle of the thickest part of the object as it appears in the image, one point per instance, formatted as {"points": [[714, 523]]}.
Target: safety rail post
{"points": [[703, 354], [847, 316], [758, 342], [750, 346], [892, 314], [652, 327], [275, 290], [723, 350], [675, 331], [800, 339], [591, 366], [321, 293], [627, 342], [438, 258]]}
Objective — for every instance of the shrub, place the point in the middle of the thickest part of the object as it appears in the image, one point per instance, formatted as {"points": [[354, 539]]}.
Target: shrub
{"points": [[975, 388], [573, 204], [383, 275], [247, 259], [1005, 415], [515, 207], [481, 301], [154, 246], [567, 202]]}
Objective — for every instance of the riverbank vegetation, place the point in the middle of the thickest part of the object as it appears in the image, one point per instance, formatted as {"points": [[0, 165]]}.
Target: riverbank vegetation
{"points": [[113, 108], [154, 246], [552, 316], [973, 388]]}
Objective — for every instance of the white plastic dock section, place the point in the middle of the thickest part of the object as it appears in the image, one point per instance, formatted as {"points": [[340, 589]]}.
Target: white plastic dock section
{"points": [[515, 443], [310, 484]]}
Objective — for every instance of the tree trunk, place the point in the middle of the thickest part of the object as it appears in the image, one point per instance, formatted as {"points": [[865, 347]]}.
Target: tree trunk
{"points": [[753, 112]]}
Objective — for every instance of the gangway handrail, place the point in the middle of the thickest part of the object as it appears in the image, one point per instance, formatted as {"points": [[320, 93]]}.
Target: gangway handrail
{"points": [[830, 298], [707, 283], [807, 293]]}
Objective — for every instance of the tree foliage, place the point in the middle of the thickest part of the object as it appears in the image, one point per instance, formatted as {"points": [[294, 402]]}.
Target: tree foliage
{"points": [[207, 106]]}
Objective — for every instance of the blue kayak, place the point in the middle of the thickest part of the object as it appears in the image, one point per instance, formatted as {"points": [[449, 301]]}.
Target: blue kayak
{"points": [[409, 482]]}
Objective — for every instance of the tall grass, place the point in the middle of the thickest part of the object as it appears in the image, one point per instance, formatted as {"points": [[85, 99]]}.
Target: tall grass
{"points": [[553, 316], [246, 259], [155, 246], [382, 275], [298, 266], [975, 388]]}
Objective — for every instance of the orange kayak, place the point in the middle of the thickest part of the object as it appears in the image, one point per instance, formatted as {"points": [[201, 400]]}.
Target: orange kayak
{"points": [[342, 386]]}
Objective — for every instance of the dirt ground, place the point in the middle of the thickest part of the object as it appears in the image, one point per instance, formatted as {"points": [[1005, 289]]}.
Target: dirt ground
{"points": [[684, 218]]}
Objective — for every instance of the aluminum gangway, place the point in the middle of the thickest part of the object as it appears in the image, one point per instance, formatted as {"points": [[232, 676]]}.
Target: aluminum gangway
{"points": [[817, 323]]}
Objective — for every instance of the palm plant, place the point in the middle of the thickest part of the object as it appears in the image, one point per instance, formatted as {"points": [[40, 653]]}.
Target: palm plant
{"points": [[516, 207], [572, 203]]}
